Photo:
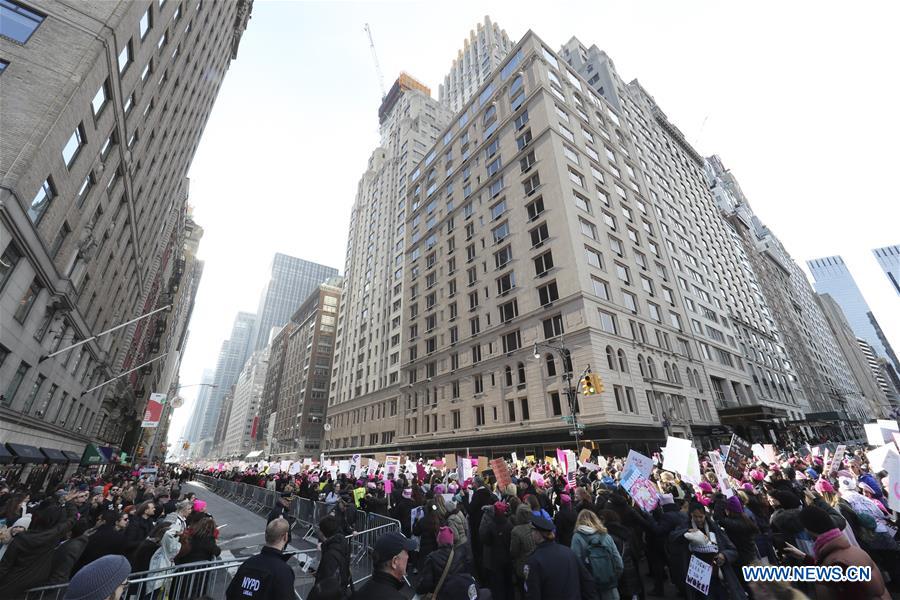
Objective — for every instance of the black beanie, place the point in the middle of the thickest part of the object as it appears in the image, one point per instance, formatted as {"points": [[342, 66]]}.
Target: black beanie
{"points": [[816, 520], [787, 500]]}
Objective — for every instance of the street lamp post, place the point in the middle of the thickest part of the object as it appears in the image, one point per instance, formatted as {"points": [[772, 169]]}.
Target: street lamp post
{"points": [[571, 393]]}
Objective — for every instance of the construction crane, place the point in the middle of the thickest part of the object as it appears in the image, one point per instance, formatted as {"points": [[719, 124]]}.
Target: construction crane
{"points": [[375, 58]]}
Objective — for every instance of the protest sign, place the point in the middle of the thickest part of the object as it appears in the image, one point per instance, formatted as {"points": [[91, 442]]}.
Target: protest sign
{"points": [[602, 462], [373, 467], [420, 471], [561, 458], [450, 461], [585, 455], [676, 455], [343, 466], [571, 462], [739, 454], [699, 574], [501, 472], [483, 464], [878, 455], [515, 459], [295, 468], [529, 458], [642, 463], [873, 434], [415, 514], [644, 493], [892, 466], [358, 494], [838, 458], [356, 461], [629, 476], [284, 466], [391, 464]]}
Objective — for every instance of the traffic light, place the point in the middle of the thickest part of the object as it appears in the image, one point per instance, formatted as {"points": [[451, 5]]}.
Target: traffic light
{"points": [[587, 385], [598, 383]]}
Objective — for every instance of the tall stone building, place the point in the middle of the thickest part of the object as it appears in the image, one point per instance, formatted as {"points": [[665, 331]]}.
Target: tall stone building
{"points": [[485, 48], [232, 357], [861, 359], [368, 344], [291, 281], [192, 427], [243, 420], [268, 410], [104, 104], [889, 260], [817, 361], [546, 216], [306, 374]]}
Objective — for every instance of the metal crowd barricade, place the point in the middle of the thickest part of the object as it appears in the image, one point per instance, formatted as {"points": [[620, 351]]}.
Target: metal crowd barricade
{"points": [[184, 582]]}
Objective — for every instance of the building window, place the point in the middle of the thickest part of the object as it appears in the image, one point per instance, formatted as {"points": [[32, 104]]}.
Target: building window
{"points": [[509, 311], [125, 57], [18, 22], [594, 257], [479, 416], [553, 327], [601, 288], [60, 238], [100, 98], [27, 301], [146, 23], [8, 263], [555, 404], [14, 383], [535, 208], [512, 341], [35, 388], [608, 322], [548, 293], [73, 146], [543, 264], [539, 235]]}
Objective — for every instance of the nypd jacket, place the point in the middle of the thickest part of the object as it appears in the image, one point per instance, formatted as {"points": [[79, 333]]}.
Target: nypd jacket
{"points": [[265, 576]]}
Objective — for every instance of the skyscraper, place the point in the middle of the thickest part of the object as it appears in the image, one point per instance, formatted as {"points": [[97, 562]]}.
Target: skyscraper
{"points": [[889, 259], [240, 429], [369, 341], [291, 281], [104, 105], [232, 357], [832, 277], [192, 428], [486, 46], [549, 216]]}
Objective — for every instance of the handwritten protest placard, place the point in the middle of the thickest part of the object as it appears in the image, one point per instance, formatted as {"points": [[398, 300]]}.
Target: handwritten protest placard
{"points": [[699, 574]]}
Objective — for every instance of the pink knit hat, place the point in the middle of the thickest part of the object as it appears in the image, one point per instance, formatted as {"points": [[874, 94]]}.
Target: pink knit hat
{"points": [[705, 486], [823, 485], [445, 536], [199, 505]]}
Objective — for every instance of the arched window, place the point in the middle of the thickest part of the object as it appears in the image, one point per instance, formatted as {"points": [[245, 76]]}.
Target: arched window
{"points": [[651, 368], [611, 358], [508, 373], [521, 369], [551, 366], [667, 371], [641, 365], [623, 361], [676, 376]]}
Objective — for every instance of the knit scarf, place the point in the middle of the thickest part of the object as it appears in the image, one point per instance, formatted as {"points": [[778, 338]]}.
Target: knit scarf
{"points": [[823, 539]]}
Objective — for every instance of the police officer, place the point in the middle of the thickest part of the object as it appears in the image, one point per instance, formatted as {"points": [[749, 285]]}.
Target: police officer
{"points": [[553, 570], [265, 576], [391, 556]]}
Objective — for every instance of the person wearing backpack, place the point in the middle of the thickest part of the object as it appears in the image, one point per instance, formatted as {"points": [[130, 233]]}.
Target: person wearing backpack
{"points": [[596, 549]]}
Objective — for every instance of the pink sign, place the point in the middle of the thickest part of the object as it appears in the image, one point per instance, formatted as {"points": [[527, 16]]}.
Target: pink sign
{"points": [[644, 493]]}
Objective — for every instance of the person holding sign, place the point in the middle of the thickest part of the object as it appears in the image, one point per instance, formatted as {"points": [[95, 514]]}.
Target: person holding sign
{"points": [[706, 541]]}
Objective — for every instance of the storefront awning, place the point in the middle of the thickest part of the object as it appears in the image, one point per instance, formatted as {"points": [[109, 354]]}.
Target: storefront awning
{"points": [[25, 453], [6, 456], [753, 412], [71, 456], [54, 456], [93, 456], [108, 452]]}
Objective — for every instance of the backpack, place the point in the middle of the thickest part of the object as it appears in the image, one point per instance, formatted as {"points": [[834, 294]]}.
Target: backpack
{"points": [[600, 563]]}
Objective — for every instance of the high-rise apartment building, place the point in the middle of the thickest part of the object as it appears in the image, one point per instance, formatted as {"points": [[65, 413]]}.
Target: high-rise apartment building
{"points": [[243, 420], [825, 384], [232, 357], [368, 342], [832, 277], [268, 410], [192, 427], [889, 260], [292, 280], [306, 374], [485, 48], [104, 105], [860, 357], [545, 216]]}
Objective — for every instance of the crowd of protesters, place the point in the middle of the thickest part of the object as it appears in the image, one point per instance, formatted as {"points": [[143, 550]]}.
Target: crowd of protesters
{"points": [[546, 535], [549, 533], [93, 532]]}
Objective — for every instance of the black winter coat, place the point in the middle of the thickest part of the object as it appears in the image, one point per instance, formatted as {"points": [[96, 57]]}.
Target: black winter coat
{"points": [[203, 548], [335, 562], [138, 528], [64, 557], [140, 556], [27, 562], [106, 540], [435, 562], [495, 535], [381, 586], [565, 525]]}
